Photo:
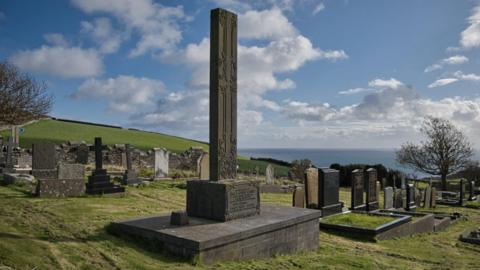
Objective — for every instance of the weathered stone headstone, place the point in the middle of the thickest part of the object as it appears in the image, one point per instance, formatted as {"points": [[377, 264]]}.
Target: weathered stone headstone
{"points": [[270, 175], [44, 161], [462, 192], [418, 197], [328, 191], [371, 202], [434, 197], [298, 198], [161, 162], [397, 198], [203, 166], [428, 197], [24, 160], [9, 161], [130, 177], [357, 190], [388, 198], [123, 160], [311, 188], [99, 182], [69, 182], [379, 188], [82, 154]]}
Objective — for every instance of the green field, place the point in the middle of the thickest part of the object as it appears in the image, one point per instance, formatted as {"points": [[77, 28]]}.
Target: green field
{"points": [[60, 132], [38, 233]]}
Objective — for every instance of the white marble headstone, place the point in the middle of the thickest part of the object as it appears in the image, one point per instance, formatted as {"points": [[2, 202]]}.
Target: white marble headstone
{"points": [[161, 162], [269, 174]]}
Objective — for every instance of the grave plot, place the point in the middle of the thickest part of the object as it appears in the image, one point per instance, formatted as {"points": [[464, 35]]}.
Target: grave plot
{"points": [[471, 236], [368, 226], [420, 223]]}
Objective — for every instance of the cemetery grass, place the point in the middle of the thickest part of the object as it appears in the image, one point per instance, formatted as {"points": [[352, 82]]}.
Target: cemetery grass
{"points": [[40, 233], [359, 220]]}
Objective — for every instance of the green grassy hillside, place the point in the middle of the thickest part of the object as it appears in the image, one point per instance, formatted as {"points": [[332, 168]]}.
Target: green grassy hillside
{"points": [[60, 132]]}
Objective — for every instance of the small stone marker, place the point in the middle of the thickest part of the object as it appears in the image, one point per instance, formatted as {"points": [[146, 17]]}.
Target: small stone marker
{"points": [[311, 188], [82, 154], [388, 198], [298, 197], [161, 163], [204, 168], [44, 161], [99, 181], [179, 218], [328, 191], [357, 190], [270, 175]]}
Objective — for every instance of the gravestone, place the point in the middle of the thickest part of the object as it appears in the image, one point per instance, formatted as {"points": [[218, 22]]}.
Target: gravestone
{"points": [[99, 182], [328, 191], [44, 160], [69, 182], [388, 198], [462, 192], [428, 197], [379, 187], [397, 198], [434, 197], [371, 202], [311, 188], [203, 167], [24, 160], [9, 160], [298, 197], [161, 163], [418, 197], [270, 175], [82, 154], [357, 202], [123, 160], [241, 230], [130, 177], [471, 191], [410, 196]]}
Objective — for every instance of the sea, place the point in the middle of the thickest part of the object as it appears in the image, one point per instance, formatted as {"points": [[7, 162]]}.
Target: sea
{"points": [[326, 157]]}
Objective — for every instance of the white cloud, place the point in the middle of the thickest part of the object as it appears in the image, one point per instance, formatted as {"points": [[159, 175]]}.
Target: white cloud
{"points": [[318, 8], [470, 37], [67, 62], [123, 93], [265, 24], [56, 39], [457, 76], [157, 25], [381, 83], [453, 60], [442, 82], [103, 33], [357, 90]]}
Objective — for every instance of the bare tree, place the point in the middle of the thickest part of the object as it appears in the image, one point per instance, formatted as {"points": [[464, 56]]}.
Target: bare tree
{"points": [[446, 150], [21, 97], [298, 168]]}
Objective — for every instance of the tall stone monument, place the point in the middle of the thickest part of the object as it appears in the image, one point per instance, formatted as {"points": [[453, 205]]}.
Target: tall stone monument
{"points": [[225, 221], [204, 167], [99, 182], [270, 175], [311, 188], [130, 177]]}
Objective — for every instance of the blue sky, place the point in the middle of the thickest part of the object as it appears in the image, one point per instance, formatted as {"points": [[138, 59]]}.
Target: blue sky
{"points": [[344, 74]]}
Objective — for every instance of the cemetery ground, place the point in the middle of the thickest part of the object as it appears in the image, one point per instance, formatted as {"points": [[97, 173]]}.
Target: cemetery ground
{"points": [[68, 233]]}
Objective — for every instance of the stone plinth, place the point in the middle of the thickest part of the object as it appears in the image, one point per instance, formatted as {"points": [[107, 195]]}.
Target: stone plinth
{"points": [[277, 230], [99, 183], [223, 200], [60, 187]]}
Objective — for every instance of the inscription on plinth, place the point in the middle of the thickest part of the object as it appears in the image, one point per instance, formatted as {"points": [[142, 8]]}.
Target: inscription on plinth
{"points": [[223, 200]]}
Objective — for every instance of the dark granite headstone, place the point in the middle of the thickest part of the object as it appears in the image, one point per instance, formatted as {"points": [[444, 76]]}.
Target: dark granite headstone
{"points": [[99, 182], [371, 202], [130, 177], [328, 191], [357, 190], [82, 154], [388, 198], [44, 161], [410, 204]]}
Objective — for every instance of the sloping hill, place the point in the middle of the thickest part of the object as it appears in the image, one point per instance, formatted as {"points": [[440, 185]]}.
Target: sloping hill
{"points": [[60, 131]]}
